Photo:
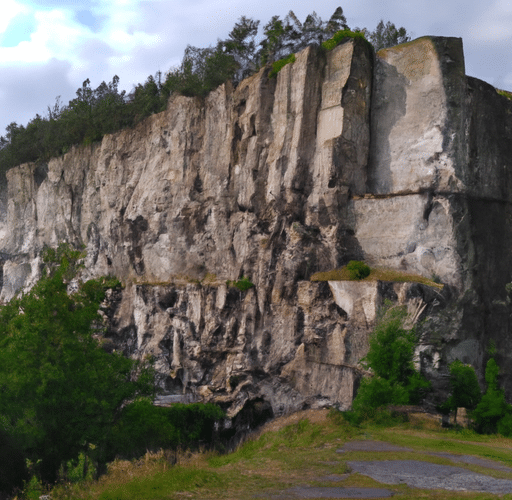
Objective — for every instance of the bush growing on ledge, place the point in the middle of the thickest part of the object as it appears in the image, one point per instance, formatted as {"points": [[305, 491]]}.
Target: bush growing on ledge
{"points": [[358, 270], [341, 35], [505, 93], [278, 65], [243, 284]]}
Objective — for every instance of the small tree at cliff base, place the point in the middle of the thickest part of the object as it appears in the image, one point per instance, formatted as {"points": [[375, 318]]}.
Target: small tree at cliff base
{"points": [[394, 380], [465, 391], [493, 414]]}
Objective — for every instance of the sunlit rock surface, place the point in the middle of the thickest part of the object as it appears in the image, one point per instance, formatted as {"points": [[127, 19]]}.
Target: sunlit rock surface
{"points": [[398, 159]]}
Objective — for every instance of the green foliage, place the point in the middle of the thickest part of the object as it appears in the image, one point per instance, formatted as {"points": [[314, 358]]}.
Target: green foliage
{"points": [[340, 36], [163, 485], [13, 471], [390, 357], [201, 71], [275, 43], [358, 270], [376, 392], [278, 65], [147, 98], [144, 427], [492, 412], [243, 284], [60, 389], [465, 391], [508, 95], [391, 348], [240, 44]]}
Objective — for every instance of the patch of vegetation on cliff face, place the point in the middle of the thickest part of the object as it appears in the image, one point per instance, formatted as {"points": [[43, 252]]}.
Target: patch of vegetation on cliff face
{"points": [[243, 284], [279, 65], [358, 270], [341, 36], [393, 378], [376, 274], [505, 93]]}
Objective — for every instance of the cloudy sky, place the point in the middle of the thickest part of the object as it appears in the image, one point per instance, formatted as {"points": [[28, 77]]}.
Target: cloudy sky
{"points": [[49, 47]]}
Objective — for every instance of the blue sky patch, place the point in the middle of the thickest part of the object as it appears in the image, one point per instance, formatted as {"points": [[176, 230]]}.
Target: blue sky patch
{"points": [[19, 30], [87, 18]]}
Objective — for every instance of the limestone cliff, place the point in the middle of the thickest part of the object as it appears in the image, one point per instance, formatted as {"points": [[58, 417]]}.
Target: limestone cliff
{"points": [[398, 159]]}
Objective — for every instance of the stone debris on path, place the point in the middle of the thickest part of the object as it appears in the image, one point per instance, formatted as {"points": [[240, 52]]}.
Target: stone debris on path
{"points": [[426, 475]]}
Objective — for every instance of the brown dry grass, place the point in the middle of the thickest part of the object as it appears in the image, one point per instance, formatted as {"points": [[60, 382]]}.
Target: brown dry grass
{"points": [[376, 274]]}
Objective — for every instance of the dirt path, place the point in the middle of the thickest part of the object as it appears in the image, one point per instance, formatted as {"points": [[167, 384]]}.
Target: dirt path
{"points": [[414, 473]]}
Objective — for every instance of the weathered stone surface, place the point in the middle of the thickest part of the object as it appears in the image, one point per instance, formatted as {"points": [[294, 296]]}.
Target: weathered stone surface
{"points": [[276, 180], [412, 232], [418, 94]]}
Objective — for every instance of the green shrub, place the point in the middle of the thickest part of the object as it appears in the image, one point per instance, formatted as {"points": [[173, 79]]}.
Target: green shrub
{"points": [[243, 284], [72, 388], [375, 392], [339, 36], [492, 408], [143, 427], [278, 65], [390, 357], [465, 391], [505, 425], [358, 270], [504, 93], [13, 470]]}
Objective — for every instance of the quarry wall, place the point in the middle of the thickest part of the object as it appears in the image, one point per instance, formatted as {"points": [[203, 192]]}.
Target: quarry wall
{"points": [[398, 159]]}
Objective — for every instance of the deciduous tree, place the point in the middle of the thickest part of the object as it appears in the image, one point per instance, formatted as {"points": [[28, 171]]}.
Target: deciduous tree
{"points": [[59, 390]]}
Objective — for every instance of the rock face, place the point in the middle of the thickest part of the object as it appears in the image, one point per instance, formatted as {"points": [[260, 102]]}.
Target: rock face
{"points": [[398, 159]]}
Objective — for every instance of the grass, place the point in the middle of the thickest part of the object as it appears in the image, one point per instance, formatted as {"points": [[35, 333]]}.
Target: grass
{"points": [[342, 35], [505, 93], [376, 274], [300, 449], [277, 66]]}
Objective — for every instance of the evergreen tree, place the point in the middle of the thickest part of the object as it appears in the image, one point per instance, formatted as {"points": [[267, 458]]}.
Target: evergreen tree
{"points": [[241, 45], [387, 35], [465, 391], [337, 22], [493, 407]]}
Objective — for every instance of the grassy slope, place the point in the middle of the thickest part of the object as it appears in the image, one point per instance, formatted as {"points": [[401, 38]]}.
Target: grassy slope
{"points": [[298, 450]]}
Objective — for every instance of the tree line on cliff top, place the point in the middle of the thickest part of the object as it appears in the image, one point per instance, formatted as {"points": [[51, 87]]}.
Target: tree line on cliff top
{"points": [[105, 109]]}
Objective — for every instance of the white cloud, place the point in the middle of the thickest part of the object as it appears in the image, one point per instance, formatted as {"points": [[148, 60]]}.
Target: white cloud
{"points": [[56, 36], [10, 9]]}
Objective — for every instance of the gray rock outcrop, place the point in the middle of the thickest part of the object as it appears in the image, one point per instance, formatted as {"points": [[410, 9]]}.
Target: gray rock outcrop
{"points": [[398, 159]]}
